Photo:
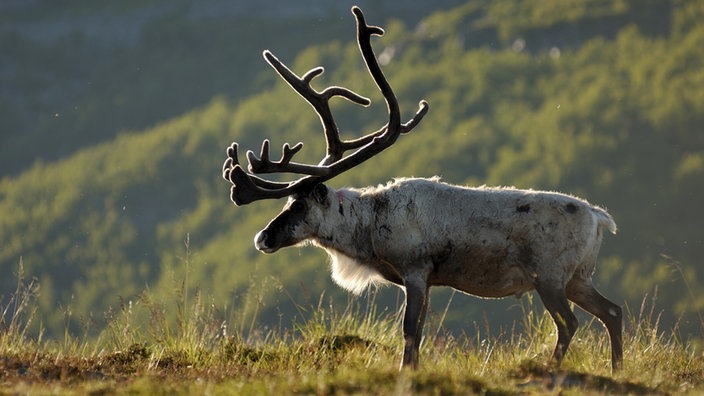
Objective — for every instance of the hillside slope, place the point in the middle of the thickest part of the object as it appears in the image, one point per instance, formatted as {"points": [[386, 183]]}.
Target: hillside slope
{"points": [[600, 102], [74, 74]]}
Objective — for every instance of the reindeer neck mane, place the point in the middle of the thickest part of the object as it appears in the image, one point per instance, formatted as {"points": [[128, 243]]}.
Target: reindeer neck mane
{"points": [[350, 274], [343, 236]]}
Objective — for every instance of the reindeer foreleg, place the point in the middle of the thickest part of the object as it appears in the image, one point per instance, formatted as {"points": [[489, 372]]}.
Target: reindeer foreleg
{"points": [[413, 319]]}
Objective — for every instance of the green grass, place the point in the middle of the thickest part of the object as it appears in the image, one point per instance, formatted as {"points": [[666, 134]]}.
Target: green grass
{"points": [[341, 350]]}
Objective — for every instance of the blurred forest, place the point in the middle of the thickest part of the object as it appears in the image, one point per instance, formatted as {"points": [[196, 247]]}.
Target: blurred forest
{"points": [[115, 116]]}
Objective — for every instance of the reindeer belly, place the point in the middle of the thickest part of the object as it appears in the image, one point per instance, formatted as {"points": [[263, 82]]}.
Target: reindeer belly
{"points": [[492, 285], [482, 271]]}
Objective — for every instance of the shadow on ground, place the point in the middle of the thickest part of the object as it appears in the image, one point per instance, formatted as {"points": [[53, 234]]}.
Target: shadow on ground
{"points": [[532, 375]]}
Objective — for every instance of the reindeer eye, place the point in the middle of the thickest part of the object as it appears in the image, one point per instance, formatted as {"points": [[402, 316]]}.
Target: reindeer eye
{"points": [[297, 206]]}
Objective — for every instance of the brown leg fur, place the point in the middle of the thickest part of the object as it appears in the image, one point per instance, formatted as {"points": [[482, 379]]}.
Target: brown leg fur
{"points": [[556, 303], [583, 293]]}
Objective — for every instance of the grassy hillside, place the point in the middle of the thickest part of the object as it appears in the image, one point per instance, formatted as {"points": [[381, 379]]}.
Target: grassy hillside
{"points": [[602, 101], [345, 349], [75, 74]]}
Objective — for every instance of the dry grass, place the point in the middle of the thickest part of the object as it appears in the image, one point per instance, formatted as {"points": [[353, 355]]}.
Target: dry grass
{"points": [[355, 351]]}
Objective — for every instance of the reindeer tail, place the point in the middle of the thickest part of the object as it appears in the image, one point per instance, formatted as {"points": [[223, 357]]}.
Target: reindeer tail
{"points": [[604, 219]]}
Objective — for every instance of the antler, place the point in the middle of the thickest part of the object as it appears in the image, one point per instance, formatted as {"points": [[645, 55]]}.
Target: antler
{"points": [[249, 188]]}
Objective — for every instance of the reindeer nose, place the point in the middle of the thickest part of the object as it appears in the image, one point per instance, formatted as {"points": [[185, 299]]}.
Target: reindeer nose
{"points": [[261, 242]]}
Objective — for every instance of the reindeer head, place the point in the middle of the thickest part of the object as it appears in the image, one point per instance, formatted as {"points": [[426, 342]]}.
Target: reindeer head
{"points": [[294, 223], [300, 220]]}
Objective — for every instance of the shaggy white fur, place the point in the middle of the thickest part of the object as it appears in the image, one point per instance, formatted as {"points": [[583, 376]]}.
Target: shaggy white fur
{"points": [[350, 274]]}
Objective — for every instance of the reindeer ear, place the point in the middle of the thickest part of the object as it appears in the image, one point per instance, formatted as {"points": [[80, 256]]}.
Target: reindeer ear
{"points": [[320, 194]]}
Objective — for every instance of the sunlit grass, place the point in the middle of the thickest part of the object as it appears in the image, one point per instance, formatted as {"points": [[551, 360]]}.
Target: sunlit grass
{"points": [[348, 349]]}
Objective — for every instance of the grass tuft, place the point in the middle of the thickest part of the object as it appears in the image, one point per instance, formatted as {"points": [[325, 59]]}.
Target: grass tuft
{"points": [[18, 313]]}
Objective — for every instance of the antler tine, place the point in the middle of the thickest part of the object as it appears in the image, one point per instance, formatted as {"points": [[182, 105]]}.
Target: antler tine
{"points": [[423, 108], [364, 34], [264, 165], [232, 163]]}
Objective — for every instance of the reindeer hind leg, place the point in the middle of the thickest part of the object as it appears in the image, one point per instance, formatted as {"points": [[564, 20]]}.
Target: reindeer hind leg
{"points": [[556, 303], [583, 293]]}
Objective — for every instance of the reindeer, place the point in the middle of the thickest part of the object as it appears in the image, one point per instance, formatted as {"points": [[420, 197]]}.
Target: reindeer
{"points": [[417, 233]]}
